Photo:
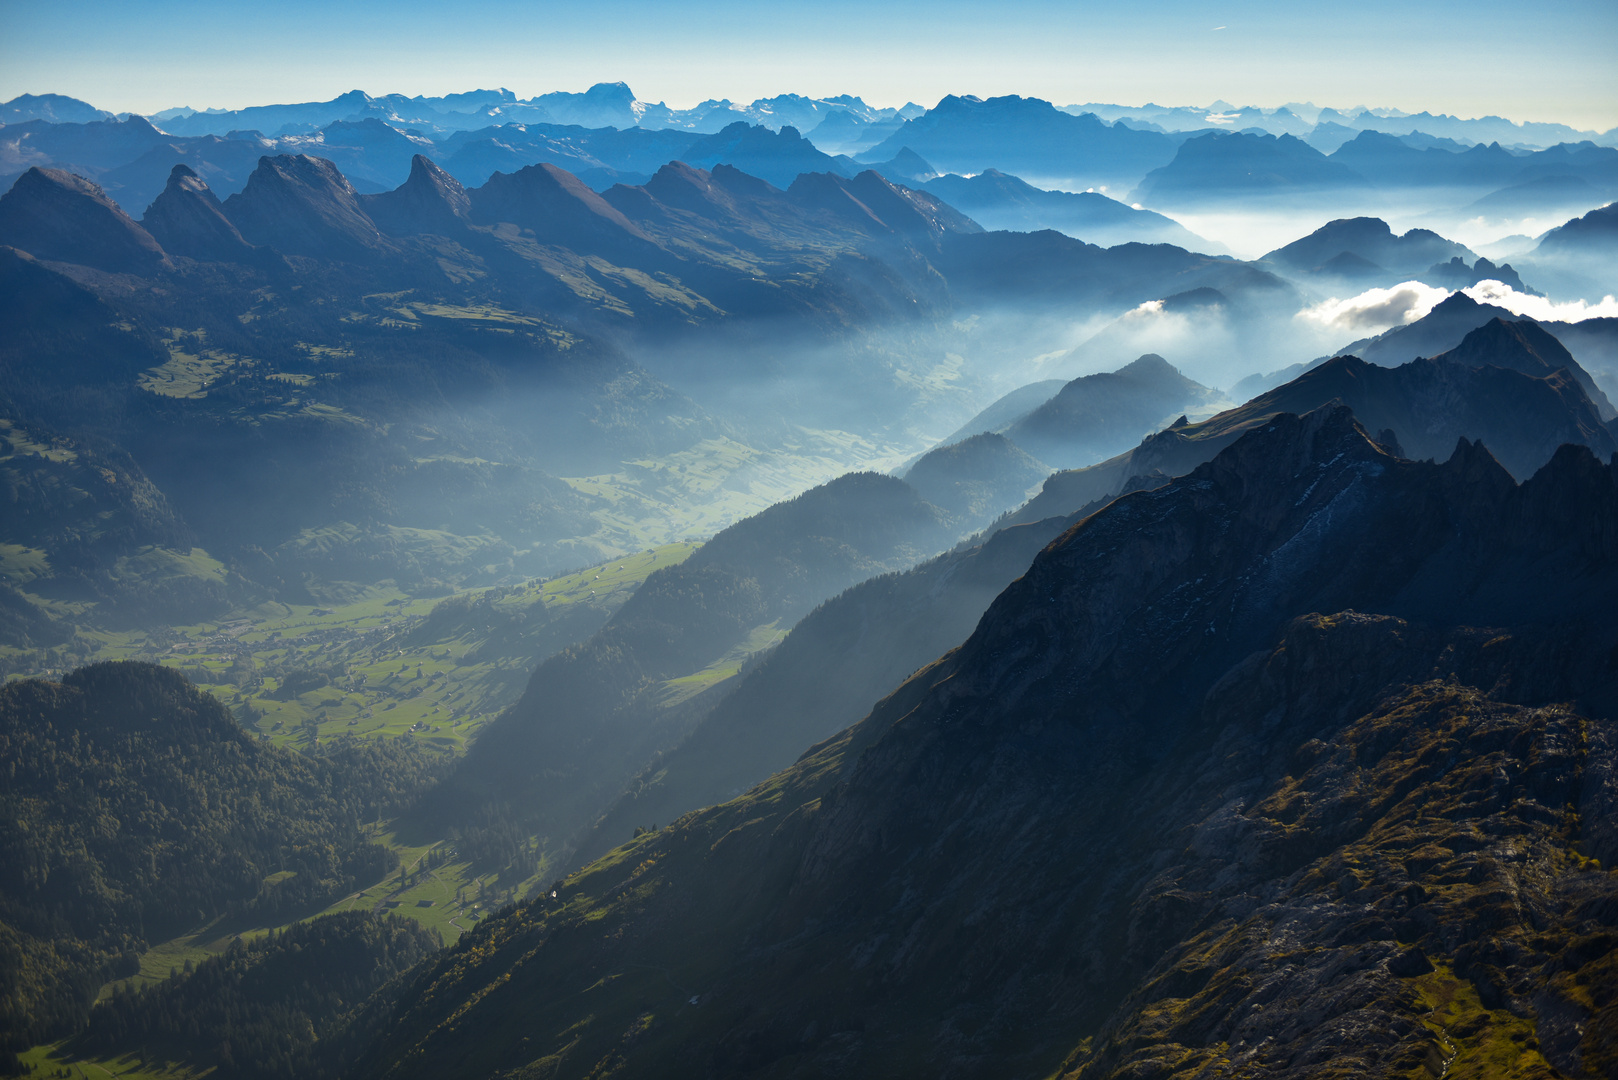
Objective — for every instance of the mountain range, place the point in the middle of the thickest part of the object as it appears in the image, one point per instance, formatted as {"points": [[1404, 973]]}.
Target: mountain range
{"points": [[553, 525], [1030, 856], [605, 136]]}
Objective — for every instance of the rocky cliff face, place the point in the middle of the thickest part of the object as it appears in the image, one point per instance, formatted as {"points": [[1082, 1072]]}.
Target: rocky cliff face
{"points": [[430, 201], [302, 205], [188, 220], [1155, 817], [1419, 409]]}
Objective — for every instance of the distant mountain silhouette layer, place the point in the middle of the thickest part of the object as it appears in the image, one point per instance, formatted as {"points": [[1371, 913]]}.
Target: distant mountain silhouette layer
{"points": [[999, 201], [1223, 164], [1478, 391], [1368, 239], [1027, 137], [1090, 417]]}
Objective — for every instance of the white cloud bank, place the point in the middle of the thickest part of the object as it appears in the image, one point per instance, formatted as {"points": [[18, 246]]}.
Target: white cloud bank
{"points": [[1376, 310]]}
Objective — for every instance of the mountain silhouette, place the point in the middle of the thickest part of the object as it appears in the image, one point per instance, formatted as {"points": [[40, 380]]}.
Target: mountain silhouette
{"points": [[999, 201], [302, 205], [556, 208], [187, 219], [1371, 240], [1091, 417], [1419, 409], [1028, 137], [976, 479], [60, 217], [1226, 164], [430, 201]]}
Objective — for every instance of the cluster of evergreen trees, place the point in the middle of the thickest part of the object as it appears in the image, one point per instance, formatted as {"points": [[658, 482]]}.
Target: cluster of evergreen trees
{"points": [[134, 808], [274, 1008]]}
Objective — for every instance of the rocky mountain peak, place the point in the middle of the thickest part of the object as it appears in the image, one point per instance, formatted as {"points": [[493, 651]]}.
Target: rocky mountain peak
{"points": [[429, 201], [1523, 345], [60, 217], [303, 205], [556, 206], [186, 217]]}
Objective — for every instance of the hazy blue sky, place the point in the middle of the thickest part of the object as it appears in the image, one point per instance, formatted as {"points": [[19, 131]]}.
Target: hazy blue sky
{"points": [[1551, 60]]}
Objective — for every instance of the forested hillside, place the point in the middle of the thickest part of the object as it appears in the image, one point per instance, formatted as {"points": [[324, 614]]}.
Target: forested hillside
{"points": [[133, 807]]}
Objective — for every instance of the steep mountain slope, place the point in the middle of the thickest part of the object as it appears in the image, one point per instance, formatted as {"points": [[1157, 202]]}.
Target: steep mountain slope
{"points": [[874, 636], [1477, 391], [136, 808], [976, 479], [595, 714], [302, 205], [1444, 328], [558, 209], [1149, 794], [60, 217], [429, 201], [1094, 415], [187, 219], [1523, 345]]}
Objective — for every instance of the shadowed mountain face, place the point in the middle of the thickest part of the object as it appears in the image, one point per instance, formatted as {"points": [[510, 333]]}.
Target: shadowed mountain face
{"points": [[1440, 330], [1092, 416], [557, 209], [59, 217], [1519, 344], [1523, 345], [430, 201], [873, 635], [1149, 793], [301, 205], [1481, 392], [976, 479], [595, 714], [187, 220]]}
